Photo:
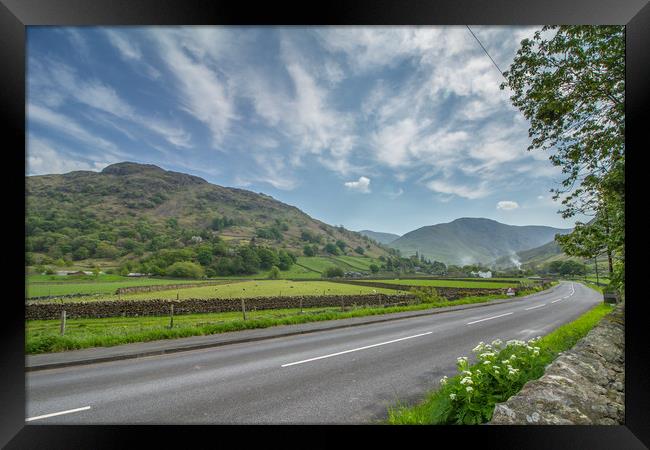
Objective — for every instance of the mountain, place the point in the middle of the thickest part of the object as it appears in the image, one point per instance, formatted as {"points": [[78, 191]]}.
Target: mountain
{"points": [[473, 240], [382, 238], [538, 255], [130, 210]]}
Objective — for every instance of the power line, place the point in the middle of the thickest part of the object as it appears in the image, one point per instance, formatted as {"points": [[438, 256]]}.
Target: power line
{"points": [[485, 50]]}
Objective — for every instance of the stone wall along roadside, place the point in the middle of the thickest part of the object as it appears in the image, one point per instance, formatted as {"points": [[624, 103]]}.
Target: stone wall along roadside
{"points": [[583, 386], [161, 307]]}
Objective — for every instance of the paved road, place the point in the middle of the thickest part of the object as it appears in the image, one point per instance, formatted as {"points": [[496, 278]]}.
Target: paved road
{"points": [[347, 375]]}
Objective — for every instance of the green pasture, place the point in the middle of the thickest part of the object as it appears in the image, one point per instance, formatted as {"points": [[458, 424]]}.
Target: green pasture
{"points": [[449, 283]]}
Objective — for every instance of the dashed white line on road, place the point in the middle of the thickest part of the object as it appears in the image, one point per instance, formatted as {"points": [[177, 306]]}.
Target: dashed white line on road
{"points": [[538, 306], [354, 349], [555, 301], [489, 318], [60, 413]]}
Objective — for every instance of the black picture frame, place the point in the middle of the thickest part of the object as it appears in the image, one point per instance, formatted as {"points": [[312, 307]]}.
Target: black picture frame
{"points": [[15, 15]]}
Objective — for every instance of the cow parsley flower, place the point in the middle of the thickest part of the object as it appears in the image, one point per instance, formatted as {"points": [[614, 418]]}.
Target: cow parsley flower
{"points": [[452, 396], [469, 388]]}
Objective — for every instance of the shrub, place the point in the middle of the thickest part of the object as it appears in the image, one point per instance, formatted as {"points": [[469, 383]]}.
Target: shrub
{"points": [[274, 274], [333, 272], [374, 268], [185, 269], [332, 249], [427, 294]]}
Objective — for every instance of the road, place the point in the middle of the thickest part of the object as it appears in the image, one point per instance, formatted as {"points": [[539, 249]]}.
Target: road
{"points": [[338, 376]]}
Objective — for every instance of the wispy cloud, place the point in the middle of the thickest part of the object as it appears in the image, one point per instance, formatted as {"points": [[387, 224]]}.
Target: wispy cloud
{"points": [[203, 93], [66, 125]]}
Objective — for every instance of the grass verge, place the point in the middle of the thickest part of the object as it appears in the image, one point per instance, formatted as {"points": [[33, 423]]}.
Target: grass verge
{"points": [[42, 336], [438, 408]]}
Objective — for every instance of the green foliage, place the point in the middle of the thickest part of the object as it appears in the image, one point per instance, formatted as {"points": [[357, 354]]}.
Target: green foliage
{"points": [[310, 250], [185, 269], [333, 272], [332, 249], [374, 268], [274, 274], [219, 223], [341, 244], [308, 236], [427, 294], [359, 250], [571, 88]]}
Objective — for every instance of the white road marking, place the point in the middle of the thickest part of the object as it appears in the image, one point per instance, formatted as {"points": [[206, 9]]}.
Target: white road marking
{"points": [[354, 349], [69, 411], [555, 301], [538, 306], [489, 318]]}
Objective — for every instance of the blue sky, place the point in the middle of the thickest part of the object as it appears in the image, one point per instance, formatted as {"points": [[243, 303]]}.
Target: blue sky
{"points": [[382, 128]]}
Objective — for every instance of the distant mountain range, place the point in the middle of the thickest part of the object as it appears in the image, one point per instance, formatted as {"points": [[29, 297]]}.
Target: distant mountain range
{"points": [[382, 238], [474, 240]]}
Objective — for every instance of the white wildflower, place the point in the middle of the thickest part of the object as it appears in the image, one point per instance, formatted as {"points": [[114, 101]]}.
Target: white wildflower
{"points": [[469, 388], [452, 396]]}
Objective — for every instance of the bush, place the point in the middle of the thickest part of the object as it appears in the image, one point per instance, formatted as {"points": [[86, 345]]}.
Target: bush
{"points": [[333, 272], [374, 268], [359, 250], [274, 274], [427, 294], [332, 249], [185, 269]]}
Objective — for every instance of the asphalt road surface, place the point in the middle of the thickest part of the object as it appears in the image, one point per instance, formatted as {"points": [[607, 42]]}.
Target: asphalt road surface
{"points": [[348, 375]]}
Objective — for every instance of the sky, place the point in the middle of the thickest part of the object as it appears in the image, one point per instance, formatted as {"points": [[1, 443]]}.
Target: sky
{"points": [[381, 128]]}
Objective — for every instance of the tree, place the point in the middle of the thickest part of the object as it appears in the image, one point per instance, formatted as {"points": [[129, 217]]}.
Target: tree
{"points": [[274, 274], [331, 249], [569, 82], [341, 244], [309, 250], [185, 269], [359, 250], [374, 268], [333, 272]]}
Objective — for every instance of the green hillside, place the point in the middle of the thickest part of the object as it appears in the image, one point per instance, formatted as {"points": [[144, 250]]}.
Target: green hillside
{"points": [[143, 218], [473, 240], [382, 238]]}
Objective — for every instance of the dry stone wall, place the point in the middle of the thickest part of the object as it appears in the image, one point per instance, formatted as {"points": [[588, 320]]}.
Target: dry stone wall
{"points": [[583, 386], [159, 307]]}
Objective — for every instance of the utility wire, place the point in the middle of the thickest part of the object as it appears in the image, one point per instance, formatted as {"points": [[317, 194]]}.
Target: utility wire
{"points": [[485, 50]]}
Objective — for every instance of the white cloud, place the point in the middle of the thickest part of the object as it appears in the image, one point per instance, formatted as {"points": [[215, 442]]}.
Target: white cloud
{"points": [[469, 192], [507, 205], [43, 158], [361, 185]]}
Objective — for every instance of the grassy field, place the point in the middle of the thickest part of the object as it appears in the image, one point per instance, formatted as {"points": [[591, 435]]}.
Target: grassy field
{"points": [[45, 285], [262, 288], [449, 283], [43, 335], [434, 410]]}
